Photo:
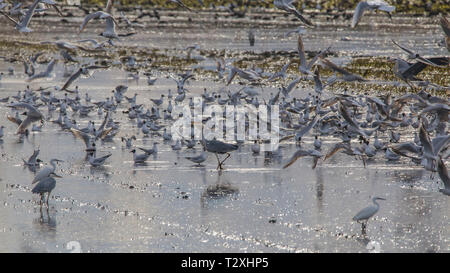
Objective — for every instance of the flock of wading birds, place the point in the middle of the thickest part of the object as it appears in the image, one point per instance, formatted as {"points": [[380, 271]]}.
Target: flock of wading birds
{"points": [[346, 117]]}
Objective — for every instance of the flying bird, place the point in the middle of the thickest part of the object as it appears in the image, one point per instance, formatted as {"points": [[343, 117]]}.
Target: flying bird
{"points": [[286, 5], [370, 5]]}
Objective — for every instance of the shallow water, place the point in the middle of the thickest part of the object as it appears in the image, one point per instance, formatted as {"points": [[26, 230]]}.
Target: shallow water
{"points": [[169, 205]]}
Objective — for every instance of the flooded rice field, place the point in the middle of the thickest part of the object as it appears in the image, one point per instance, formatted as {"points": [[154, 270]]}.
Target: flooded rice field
{"points": [[170, 204]]}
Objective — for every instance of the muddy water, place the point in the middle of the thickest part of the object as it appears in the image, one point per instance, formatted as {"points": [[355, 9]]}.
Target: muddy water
{"points": [[169, 205]]}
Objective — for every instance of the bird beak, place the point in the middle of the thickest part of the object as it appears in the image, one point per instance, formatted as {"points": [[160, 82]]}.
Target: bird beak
{"points": [[55, 175], [379, 198]]}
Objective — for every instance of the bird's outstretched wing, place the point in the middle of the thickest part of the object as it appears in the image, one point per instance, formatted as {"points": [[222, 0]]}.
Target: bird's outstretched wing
{"points": [[81, 135], [443, 173], [72, 79], [445, 24], [98, 14]]}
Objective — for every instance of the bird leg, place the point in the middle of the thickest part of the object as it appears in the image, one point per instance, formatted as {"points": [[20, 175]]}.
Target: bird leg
{"points": [[228, 155], [219, 165], [363, 228], [48, 196]]}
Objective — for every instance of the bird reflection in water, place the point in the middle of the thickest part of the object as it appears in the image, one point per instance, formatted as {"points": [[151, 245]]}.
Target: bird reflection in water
{"points": [[222, 188]]}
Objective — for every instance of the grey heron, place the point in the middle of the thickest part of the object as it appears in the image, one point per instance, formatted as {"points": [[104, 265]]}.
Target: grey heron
{"points": [[365, 214]]}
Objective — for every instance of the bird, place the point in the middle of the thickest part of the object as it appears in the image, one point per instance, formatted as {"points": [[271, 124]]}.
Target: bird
{"points": [[365, 214], [281, 73], [249, 75], [412, 55], [139, 158], [152, 151], [286, 5], [45, 74], [256, 148], [32, 114], [97, 45], [198, 159], [251, 37], [370, 5], [99, 161], [180, 3], [46, 185], [83, 70], [304, 66], [33, 162], [299, 30], [22, 26], [110, 31], [127, 141], [301, 153], [88, 139], [408, 71], [219, 147], [347, 76], [445, 24], [47, 171], [290, 87]]}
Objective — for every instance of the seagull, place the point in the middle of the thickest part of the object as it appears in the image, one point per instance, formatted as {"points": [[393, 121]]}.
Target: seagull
{"points": [[305, 67], [287, 90], [96, 44], [370, 5], [299, 30], [139, 158], [99, 161], [151, 151], [33, 161], [127, 141], [347, 76], [22, 26], [249, 75], [281, 73], [32, 115], [84, 70], [44, 74], [198, 159], [301, 153], [111, 23], [286, 5], [416, 56], [89, 140]]}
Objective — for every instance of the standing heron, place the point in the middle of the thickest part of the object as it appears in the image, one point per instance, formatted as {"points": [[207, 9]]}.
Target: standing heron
{"points": [[364, 215], [44, 186], [219, 147]]}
